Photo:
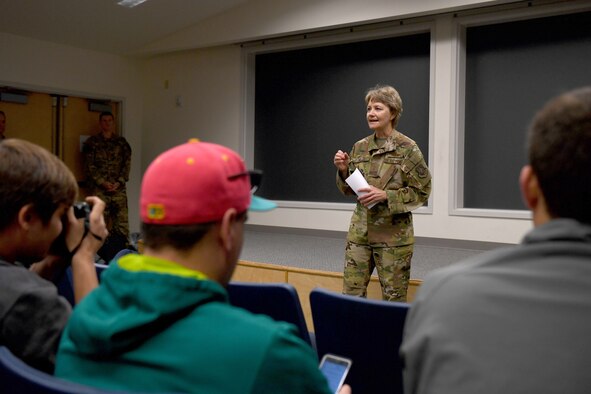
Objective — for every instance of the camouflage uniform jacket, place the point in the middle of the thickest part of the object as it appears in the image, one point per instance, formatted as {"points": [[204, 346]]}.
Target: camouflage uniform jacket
{"points": [[398, 168], [106, 160]]}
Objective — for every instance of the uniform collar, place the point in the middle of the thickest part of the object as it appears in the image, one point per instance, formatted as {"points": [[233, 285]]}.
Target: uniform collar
{"points": [[388, 146]]}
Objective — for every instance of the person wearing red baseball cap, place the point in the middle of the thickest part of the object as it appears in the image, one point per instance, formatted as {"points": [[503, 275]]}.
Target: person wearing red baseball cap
{"points": [[161, 321]]}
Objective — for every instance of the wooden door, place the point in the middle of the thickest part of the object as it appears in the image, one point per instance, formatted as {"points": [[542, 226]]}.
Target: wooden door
{"points": [[33, 121]]}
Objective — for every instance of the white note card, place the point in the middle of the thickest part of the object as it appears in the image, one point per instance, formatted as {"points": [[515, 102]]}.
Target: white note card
{"points": [[356, 181]]}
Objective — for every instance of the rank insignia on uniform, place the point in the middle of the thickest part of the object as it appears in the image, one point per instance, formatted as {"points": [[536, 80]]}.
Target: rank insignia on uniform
{"points": [[422, 171]]}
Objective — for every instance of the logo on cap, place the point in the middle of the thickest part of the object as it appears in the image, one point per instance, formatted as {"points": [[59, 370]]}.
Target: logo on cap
{"points": [[156, 211]]}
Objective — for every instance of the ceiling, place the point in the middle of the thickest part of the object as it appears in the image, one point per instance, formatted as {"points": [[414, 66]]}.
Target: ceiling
{"points": [[103, 25]]}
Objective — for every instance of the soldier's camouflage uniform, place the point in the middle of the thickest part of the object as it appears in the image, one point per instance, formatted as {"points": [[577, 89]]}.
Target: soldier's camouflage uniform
{"points": [[383, 236], [109, 160]]}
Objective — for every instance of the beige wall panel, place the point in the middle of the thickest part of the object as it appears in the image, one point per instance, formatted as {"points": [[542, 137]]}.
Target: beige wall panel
{"points": [[246, 273], [413, 287], [374, 290]]}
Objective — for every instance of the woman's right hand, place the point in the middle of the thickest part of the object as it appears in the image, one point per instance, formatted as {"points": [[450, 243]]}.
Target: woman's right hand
{"points": [[341, 160]]}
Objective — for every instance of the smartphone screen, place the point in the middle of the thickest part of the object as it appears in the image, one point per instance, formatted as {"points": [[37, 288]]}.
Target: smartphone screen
{"points": [[335, 370]]}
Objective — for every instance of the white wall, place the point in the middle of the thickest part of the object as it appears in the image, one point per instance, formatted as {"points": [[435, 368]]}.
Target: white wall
{"points": [[51, 68], [207, 83]]}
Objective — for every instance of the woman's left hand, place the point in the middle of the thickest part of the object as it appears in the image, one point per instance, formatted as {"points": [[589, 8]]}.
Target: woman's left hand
{"points": [[373, 196]]}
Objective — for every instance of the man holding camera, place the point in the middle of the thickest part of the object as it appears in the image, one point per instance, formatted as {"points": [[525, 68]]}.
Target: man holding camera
{"points": [[39, 236]]}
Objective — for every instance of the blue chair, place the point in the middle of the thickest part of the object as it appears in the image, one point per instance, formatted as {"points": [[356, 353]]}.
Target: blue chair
{"points": [[65, 285], [122, 253], [17, 377], [99, 269], [277, 300], [369, 332]]}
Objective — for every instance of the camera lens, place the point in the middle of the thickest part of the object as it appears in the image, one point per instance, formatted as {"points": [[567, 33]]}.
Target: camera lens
{"points": [[81, 210]]}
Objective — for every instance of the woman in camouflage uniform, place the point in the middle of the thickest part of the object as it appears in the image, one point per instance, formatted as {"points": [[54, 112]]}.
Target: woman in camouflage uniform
{"points": [[399, 181]]}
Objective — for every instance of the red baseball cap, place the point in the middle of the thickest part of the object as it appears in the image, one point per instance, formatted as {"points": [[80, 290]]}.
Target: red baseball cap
{"points": [[197, 182]]}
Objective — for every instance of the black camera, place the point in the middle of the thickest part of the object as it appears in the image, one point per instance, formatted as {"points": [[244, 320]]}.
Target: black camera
{"points": [[81, 210]]}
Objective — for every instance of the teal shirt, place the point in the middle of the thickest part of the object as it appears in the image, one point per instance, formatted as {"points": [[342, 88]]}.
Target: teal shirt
{"points": [[155, 326]]}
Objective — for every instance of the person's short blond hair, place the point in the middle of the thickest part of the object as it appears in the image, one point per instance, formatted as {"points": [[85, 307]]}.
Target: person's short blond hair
{"points": [[389, 96]]}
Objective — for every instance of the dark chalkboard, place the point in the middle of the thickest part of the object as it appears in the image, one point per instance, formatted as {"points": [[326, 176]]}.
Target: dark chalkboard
{"points": [[310, 102], [512, 69]]}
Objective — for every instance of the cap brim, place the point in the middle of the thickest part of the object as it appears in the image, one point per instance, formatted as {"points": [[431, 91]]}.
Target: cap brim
{"points": [[260, 204]]}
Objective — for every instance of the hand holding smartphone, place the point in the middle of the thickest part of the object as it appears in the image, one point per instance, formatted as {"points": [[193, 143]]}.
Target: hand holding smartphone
{"points": [[335, 369]]}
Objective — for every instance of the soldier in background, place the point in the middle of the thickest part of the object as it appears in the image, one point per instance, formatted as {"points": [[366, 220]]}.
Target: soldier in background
{"points": [[107, 160], [381, 232]]}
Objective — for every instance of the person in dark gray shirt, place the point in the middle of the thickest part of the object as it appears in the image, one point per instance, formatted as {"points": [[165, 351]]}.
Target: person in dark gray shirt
{"points": [[39, 237], [517, 320]]}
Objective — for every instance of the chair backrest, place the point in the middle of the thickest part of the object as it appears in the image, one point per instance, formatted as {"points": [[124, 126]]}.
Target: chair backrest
{"points": [[17, 377], [99, 269], [122, 253], [277, 300], [369, 332], [65, 286]]}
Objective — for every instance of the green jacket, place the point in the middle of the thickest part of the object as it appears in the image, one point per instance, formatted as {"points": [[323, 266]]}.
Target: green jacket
{"points": [[155, 326], [398, 167]]}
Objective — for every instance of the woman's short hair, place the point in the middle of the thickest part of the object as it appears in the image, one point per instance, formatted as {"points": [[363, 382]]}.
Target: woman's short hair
{"points": [[389, 96]]}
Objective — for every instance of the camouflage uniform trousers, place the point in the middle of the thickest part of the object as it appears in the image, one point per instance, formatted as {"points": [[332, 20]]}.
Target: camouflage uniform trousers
{"points": [[116, 216], [392, 264]]}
